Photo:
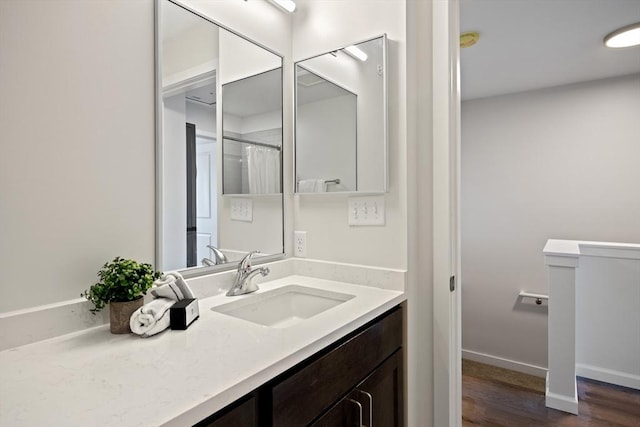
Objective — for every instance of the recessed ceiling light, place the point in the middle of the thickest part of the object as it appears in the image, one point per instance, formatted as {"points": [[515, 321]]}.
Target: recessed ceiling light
{"points": [[624, 37], [468, 39]]}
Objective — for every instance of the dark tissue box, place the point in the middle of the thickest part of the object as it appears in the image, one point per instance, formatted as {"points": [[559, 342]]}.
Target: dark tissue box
{"points": [[183, 313]]}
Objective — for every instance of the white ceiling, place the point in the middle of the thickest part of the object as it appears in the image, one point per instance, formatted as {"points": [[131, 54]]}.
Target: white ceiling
{"points": [[533, 44], [258, 94]]}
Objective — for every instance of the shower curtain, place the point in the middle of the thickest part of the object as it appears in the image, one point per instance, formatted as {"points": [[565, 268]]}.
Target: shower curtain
{"points": [[263, 169]]}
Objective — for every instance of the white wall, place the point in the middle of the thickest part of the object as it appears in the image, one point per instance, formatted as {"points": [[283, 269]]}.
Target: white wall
{"points": [[420, 104], [240, 58], [174, 183], [200, 36], [264, 232], [77, 144], [203, 116], [328, 129], [322, 26], [257, 20], [608, 318], [556, 163]]}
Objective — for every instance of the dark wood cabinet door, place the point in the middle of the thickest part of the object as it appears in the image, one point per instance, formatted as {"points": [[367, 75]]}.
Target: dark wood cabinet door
{"points": [[304, 395], [357, 382], [346, 413], [240, 414], [381, 394]]}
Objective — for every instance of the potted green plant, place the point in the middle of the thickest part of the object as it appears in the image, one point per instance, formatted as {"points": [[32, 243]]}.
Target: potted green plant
{"points": [[122, 284]]}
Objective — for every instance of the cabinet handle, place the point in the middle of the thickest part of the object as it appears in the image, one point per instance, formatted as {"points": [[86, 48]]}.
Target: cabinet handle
{"points": [[370, 406], [359, 410]]}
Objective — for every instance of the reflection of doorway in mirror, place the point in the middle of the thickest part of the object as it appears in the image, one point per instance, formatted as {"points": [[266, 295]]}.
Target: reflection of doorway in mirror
{"points": [[200, 109], [206, 195]]}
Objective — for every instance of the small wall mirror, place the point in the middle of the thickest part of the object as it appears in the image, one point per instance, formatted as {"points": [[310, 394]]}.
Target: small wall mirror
{"points": [[252, 134], [206, 72], [341, 120]]}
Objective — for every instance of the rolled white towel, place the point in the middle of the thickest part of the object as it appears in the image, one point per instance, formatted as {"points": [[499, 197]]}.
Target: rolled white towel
{"points": [[172, 286], [151, 318]]}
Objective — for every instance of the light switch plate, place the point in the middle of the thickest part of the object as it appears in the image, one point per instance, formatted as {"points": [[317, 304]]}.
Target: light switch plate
{"points": [[241, 209], [366, 210]]}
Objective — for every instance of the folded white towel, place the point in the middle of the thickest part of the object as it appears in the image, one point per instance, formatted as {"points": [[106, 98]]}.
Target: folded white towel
{"points": [[172, 286], [312, 186], [151, 318]]}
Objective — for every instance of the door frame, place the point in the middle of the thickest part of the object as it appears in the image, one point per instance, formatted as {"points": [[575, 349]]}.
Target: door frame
{"points": [[447, 370]]}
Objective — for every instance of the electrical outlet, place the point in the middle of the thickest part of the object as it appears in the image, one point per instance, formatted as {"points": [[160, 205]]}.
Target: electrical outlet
{"points": [[300, 244]]}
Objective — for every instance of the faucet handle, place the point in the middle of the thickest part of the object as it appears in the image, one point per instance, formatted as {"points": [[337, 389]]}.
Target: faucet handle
{"points": [[245, 262]]}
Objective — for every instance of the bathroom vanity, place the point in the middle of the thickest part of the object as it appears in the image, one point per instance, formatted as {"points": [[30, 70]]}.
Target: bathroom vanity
{"points": [[344, 362], [355, 381]]}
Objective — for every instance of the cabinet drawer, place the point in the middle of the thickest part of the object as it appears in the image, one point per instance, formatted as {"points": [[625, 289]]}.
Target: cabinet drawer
{"points": [[305, 394]]}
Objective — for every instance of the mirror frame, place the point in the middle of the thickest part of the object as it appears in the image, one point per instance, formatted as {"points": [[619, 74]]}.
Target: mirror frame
{"points": [[385, 114], [198, 271]]}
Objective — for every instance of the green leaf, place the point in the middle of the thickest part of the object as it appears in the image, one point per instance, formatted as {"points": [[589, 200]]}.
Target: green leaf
{"points": [[120, 280]]}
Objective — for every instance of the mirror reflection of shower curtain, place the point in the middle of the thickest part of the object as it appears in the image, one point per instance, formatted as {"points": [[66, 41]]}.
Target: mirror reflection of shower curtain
{"points": [[263, 169]]}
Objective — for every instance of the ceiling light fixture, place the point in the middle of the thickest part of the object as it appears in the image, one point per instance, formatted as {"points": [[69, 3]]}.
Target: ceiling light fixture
{"points": [[286, 5], [356, 52], [468, 39], [624, 37]]}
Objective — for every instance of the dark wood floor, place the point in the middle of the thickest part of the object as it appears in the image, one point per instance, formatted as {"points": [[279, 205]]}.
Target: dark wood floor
{"points": [[487, 402]]}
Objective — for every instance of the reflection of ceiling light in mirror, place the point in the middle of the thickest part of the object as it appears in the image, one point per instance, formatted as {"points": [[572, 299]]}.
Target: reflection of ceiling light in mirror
{"points": [[286, 5], [624, 37], [356, 52]]}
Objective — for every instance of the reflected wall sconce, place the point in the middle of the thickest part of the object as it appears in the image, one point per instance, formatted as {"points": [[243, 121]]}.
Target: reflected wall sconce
{"points": [[624, 37], [356, 52], [286, 5]]}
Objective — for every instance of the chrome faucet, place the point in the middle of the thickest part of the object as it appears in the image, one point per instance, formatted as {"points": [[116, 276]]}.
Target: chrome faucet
{"points": [[243, 284], [207, 262], [218, 256]]}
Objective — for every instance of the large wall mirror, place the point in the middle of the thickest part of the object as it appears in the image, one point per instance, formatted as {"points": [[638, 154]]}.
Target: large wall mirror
{"points": [[219, 138], [341, 120]]}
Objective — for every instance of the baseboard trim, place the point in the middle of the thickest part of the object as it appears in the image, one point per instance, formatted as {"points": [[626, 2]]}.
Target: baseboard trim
{"points": [[610, 376], [561, 402], [500, 362]]}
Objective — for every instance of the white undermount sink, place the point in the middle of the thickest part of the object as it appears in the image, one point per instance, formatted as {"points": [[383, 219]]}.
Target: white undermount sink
{"points": [[283, 307]]}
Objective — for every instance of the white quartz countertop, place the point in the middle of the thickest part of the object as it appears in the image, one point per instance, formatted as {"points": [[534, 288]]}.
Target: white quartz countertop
{"points": [[176, 378]]}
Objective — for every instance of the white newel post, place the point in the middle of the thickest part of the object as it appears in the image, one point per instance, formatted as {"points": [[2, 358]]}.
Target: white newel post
{"points": [[561, 389]]}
